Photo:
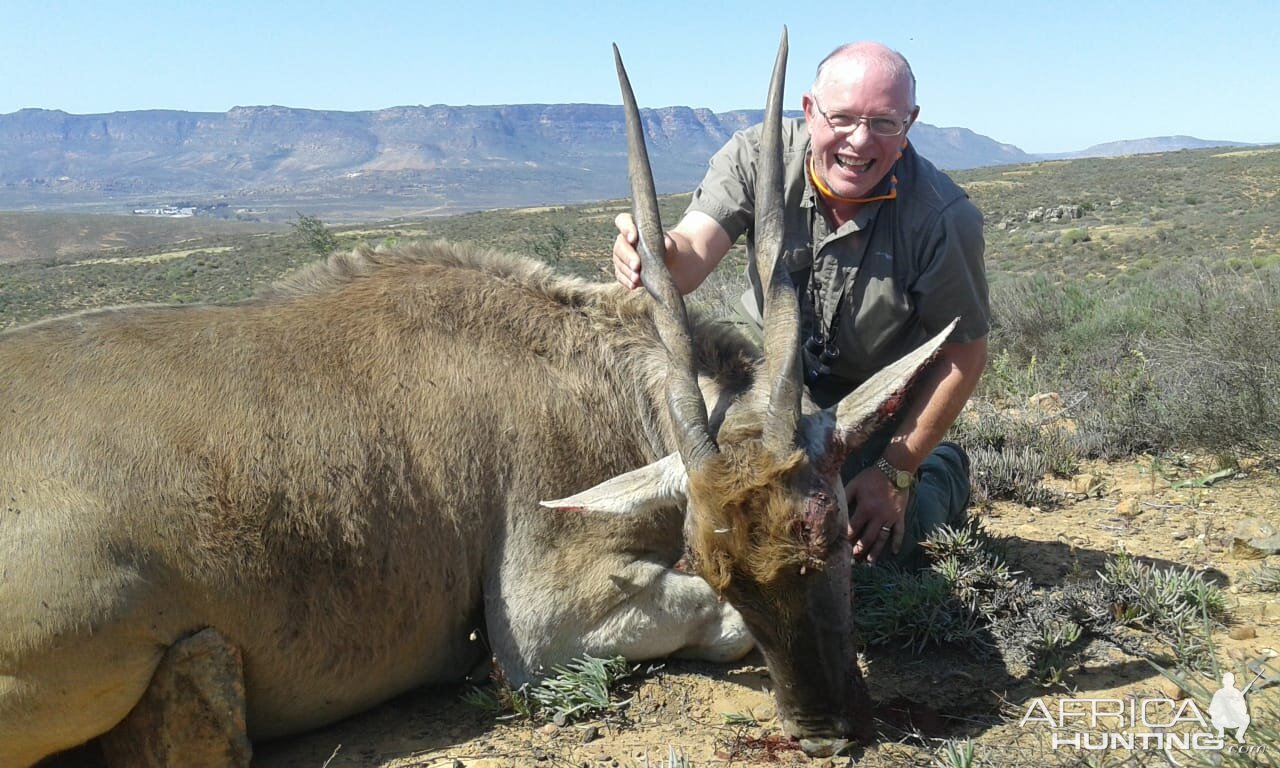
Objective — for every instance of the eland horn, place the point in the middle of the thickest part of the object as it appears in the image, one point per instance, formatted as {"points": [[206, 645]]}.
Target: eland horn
{"points": [[684, 399]]}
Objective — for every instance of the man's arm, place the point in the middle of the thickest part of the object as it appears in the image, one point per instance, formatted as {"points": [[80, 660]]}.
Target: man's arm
{"points": [[942, 395], [695, 247], [874, 502]]}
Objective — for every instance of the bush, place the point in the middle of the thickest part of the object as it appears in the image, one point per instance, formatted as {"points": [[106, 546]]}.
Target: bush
{"points": [[1179, 359], [314, 235], [576, 691], [1013, 473], [1073, 236]]}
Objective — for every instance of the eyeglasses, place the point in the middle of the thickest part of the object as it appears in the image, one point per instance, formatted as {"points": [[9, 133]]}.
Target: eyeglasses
{"points": [[844, 125]]}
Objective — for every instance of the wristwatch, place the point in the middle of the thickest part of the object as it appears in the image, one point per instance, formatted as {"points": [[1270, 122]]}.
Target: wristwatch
{"points": [[900, 478]]}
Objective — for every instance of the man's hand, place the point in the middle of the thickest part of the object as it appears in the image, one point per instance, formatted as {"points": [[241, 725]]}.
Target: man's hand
{"points": [[694, 248], [877, 514], [626, 260]]}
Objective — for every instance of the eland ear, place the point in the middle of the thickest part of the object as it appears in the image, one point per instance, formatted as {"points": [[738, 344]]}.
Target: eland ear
{"points": [[662, 484], [864, 410]]}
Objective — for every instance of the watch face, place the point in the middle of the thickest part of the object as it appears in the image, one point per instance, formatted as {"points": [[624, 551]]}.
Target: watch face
{"points": [[901, 479]]}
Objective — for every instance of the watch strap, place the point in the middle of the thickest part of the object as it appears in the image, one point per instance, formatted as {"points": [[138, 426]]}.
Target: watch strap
{"points": [[898, 478]]}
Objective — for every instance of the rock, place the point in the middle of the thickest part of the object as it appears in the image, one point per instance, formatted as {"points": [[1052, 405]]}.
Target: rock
{"points": [[549, 730], [1255, 538], [192, 713], [1055, 213], [590, 734], [1243, 632], [1171, 690], [1087, 485], [1128, 508], [1045, 401]]}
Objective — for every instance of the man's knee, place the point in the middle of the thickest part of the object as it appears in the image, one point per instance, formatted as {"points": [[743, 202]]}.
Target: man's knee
{"points": [[940, 498], [944, 476]]}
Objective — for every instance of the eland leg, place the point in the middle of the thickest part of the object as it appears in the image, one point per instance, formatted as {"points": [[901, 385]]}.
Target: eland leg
{"points": [[670, 614], [59, 695], [640, 610]]}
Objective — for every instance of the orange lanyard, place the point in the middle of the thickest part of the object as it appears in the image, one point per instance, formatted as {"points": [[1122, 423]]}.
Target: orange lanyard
{"points": [[826, 192]]}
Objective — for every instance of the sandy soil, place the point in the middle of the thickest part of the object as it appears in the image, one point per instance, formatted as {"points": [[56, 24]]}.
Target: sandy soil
{"points": [[681, 709]]}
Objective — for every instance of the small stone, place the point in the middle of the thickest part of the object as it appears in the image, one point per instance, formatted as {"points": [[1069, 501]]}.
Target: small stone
{"points": [[764, 714], [1243, 632], [1255, 538], [1046, 401], [1128, 508], [1171, 690], [590, 734], [549, 730], [1088, 485]]}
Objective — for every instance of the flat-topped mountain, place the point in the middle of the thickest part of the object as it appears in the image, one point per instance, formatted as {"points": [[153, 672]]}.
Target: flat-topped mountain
{"points": [[422, 157]]}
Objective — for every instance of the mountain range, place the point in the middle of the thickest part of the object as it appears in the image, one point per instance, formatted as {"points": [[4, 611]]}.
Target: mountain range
{"points": [[274, 160]]}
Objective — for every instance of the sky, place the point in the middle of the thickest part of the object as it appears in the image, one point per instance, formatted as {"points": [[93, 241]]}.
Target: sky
{"points": [[1043, 76]]}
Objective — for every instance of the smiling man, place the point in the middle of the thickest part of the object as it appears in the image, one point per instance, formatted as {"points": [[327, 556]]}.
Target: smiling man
{"points": [[885, 250]]}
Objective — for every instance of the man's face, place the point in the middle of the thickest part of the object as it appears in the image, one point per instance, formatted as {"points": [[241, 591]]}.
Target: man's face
{"points": [[853, 163]]}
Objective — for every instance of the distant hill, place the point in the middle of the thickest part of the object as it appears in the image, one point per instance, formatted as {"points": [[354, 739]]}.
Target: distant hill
{"points": [[267, 162], [1143, 147], [436, 157]]}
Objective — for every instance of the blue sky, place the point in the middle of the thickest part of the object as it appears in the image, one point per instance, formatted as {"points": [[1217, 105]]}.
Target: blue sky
{"points": [[1045, 76]]}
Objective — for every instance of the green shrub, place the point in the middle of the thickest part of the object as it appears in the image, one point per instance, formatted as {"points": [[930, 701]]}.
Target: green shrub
{"points": [[1177, 604], [1180, 358], [1073, 236], [576, 691], [1012, 473]]}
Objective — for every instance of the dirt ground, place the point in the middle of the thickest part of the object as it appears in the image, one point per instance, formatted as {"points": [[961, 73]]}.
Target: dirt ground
{"points": [[685, 710]]}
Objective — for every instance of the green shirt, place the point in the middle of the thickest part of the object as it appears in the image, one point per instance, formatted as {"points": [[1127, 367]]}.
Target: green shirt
{"points": [[886, 281]]}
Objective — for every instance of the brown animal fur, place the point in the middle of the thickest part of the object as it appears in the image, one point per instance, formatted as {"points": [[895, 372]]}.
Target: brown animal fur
{"points": [[753, 531], [334, 475]]}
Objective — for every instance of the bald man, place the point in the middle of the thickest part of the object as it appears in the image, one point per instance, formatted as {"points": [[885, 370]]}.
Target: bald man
{"points": [[885, 251]]}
